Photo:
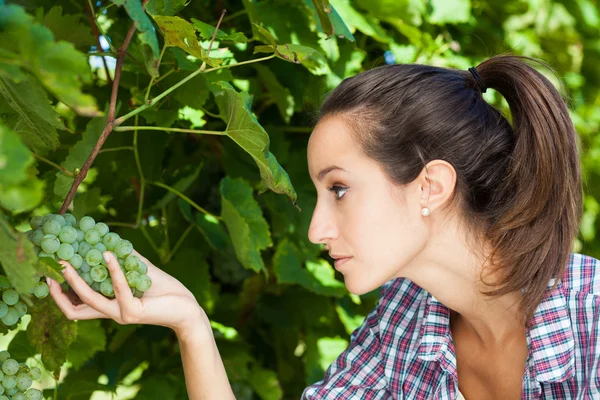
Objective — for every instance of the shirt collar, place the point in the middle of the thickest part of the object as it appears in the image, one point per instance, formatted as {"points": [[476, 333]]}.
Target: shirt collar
{"points": [[550, 337]]}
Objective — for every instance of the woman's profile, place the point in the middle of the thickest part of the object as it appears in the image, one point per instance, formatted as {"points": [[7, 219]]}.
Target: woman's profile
{"points": [[466, 220]]}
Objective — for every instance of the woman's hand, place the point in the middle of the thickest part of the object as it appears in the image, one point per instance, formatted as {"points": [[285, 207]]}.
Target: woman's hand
{"points": [[167, 303]]}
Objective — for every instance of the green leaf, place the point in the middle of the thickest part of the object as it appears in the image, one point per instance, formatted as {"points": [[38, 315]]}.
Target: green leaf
{"points": [[20, 348], [246, 225], [68, 27], [196, 279], [36, 120], [87, 202], [322, 351], [330, 21], [318, 277], [51, 334], [450, 11], [206, 32], [165, 7], [22, 197], [180, 33], [265, 383], [14, 158], [194, 93], [185, 178], [244, 129], [146, 33], [91, 338], [57, 65], [210, 227], [17, 258], [279, 94], [367, 24], [79, 153], [298, 54]]}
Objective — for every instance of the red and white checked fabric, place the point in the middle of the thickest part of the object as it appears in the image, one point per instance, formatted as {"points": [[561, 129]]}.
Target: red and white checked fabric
{"points": [[404, 348]]}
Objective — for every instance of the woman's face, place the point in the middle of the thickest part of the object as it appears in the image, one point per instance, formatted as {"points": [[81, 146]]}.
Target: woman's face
{"points": [[359, 213]]}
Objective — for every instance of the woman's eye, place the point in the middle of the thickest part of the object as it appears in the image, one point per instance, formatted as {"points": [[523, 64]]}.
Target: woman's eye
{"points": [[337, 190]]}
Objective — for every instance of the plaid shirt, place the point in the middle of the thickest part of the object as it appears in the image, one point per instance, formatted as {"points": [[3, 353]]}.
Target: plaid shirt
{"points": [[404, 348]]}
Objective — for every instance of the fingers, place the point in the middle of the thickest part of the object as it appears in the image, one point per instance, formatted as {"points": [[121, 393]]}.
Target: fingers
{"points": [[71, 311], [121, 287], [93, 299]]}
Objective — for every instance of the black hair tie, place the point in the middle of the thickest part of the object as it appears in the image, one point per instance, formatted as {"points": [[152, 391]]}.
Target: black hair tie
{"points": [[478, 79]]}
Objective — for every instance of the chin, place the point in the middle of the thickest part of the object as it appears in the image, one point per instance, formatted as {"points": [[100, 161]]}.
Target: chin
{"points": [[360, 287]]}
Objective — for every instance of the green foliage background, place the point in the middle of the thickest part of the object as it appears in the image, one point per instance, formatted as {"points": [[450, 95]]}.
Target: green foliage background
{"points": [[222, 214]]}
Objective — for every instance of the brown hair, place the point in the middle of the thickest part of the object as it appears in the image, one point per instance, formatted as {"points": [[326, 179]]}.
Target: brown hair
{"points": [[518, 183]]}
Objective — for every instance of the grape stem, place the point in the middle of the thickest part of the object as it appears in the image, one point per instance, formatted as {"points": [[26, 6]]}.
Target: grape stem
{"points": [[121, 51], [61, 169]]}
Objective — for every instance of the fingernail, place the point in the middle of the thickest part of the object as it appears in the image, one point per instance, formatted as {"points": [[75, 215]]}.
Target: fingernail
{"points": [[49, 281], [106, 257]]}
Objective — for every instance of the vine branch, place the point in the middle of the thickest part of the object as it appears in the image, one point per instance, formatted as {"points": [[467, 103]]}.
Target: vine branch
{"points": [[110, 123]]}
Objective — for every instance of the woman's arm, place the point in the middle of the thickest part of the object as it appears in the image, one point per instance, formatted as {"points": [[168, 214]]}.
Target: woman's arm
{"points": [[205, 375]]}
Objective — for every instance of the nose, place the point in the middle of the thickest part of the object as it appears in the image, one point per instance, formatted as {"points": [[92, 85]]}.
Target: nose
{"points": [[322, 227]]}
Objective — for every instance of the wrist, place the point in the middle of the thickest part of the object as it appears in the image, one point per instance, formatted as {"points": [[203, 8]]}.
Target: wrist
{"points": [[195, 327]]}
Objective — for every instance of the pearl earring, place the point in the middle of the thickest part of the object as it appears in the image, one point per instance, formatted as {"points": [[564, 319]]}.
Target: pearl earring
{"points": [[425, 211]]}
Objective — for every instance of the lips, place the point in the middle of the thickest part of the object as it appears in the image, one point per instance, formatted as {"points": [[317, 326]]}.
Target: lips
{"points": [[340, 261]]}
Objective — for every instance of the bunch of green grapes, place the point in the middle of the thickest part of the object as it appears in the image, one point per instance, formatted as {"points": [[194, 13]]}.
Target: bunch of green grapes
{"points": [[16, 379], [82, 243], [11, 307]]}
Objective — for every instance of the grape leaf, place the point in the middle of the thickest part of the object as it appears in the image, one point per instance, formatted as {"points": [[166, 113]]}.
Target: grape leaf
{"points": [[212, 230], [279, 94], [91, 338], [17, 258], [165, 7], [450, 11], [57, 65], [244, 129], [36, 121], [206, 32], [14, 158], [67, 27], [180, 33], [243, 217], [146, 33], [185, 178], [20, 348], [330, 21], [265, 383], [79, 153], [87, 202], [321, 352], [52, 334], [318, 277]]}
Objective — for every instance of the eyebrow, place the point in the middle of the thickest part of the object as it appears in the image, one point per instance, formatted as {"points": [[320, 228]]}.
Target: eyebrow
{"points": [[327, 170]]}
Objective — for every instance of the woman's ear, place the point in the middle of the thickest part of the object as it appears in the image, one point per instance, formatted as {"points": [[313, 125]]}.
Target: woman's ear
{"points": [[437, 182]]}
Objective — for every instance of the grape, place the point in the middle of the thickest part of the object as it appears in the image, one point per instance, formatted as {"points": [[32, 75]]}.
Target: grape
{"points": [[51, 227], [76, 261], [4, 282], [87, 278], [80, 235], [133, 278], [132, 263], [2, 389], [84, 247], [110, 240], [10, 366], [100, 247], [10, 297], [65, 251], [35, 222], [85, 267], [144, 283], [68, 234], [70, 219], [143, 268], [12, 391], [9, 381], [34, 394], [37, 236], [86, 223], [11, 318], [41, 290], [24, 381], [44, 254], [3, 397], [75, 245], [59, 218], [92, 236], [102, 228], [50, 243], [21, 307], [35, 373], [4, 355], [18, 396], [99, 273], [3, 309], [106, 288], [95, 286], [123, 248], [93, 257]]}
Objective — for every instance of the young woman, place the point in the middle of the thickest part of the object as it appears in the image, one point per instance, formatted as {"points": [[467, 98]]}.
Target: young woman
{"points": [[464, 217]]}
